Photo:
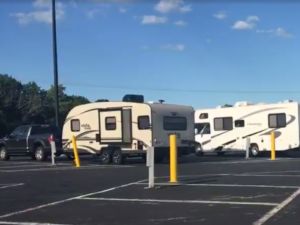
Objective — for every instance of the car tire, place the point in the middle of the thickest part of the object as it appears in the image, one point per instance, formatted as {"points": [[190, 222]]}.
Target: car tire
{"points": [[40, 154], [4, 156], [117, 157], [106, 156]]}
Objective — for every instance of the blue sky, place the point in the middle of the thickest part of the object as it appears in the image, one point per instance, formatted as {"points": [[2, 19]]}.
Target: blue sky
{"points": [[185, 46]]}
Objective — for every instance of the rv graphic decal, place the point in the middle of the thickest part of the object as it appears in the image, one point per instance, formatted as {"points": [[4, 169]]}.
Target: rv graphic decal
{"points": [[86, 126]]}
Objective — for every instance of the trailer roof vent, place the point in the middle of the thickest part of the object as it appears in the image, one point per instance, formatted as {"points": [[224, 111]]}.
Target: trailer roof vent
{"points": [[245, 103], [133, 98], [287, 101]]}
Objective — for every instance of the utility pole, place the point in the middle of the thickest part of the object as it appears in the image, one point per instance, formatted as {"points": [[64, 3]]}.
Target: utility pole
{"points": [[56, 97]]}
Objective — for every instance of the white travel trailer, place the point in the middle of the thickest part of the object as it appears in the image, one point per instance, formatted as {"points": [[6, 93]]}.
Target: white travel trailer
{"points": [[224, 129], [116, 130]]}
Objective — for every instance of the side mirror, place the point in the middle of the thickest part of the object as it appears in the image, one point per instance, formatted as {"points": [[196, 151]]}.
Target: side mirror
{"points": [[196, 131], [10, 136]]}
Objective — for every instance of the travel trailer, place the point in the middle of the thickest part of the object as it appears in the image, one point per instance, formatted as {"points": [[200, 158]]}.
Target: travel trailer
{"points": [[224, 129], [116, 130]]}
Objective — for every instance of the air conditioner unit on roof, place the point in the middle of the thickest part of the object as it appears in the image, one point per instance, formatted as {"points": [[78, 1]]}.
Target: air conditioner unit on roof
{"points": [[245, 103]]}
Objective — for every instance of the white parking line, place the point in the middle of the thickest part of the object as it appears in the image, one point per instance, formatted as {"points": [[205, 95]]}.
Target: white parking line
{"points": [[14, 163], [24, 166], [2, 186], [233, 174], [223, 185], [66, 168], [270, 172], [277, 208], [264, 175], [250, 161], [68, 199], [28, 223], [181, 201]]}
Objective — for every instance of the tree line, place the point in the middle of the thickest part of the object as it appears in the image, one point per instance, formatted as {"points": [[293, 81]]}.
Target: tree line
{"points": [[27, 103]]}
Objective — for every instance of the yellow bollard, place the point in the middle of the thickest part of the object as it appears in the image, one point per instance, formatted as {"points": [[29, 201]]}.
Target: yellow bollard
{"points": [[273, 145], [173, 158], [77, 161]]}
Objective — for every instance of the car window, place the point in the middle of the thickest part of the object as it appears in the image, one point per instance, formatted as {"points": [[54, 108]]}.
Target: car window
{"points": [[17, 131]]}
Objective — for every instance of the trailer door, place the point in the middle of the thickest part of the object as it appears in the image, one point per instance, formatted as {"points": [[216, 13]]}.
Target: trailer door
{"points": [[110, 126], [115, 126]]}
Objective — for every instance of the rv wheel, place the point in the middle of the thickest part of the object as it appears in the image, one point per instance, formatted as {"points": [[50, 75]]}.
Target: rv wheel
{"points": [[106, 156], [254, 150], [117, 157]]}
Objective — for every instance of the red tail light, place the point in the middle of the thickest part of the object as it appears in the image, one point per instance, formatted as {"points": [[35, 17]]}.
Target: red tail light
{"points": [[50, 139]]}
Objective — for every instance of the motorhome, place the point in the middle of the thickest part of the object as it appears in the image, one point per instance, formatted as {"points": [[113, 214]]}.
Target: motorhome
{"points": [[224, 129], [120, 129]]}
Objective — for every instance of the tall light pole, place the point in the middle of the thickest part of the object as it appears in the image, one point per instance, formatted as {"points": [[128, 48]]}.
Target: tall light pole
{"points": [[56, 97]]}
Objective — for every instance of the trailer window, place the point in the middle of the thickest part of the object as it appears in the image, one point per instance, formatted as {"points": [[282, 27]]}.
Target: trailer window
{"points": [[110, 123], [203, 116], [174, 123], [277, 120], [239, 123], [143, 122], [225, 123], [75, 125]]}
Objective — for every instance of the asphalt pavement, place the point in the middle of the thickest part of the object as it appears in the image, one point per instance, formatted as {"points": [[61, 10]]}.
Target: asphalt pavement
{"points": [[211, 190]]}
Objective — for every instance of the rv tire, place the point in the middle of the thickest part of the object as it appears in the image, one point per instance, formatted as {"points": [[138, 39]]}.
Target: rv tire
{"points": [[106, 156], [254, 150], [117, 157]]}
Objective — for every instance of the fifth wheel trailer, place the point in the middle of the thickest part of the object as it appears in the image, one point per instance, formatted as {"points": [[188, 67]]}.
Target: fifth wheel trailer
{"points": [[224, 129], [116, 130]]}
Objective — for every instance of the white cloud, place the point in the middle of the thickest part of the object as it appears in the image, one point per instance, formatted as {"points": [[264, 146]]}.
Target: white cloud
{"points": [[145, 47], [102, 9], [166, 6], [220, 15], [91, 13], [123, 10], [248, 24], [178, 47], [264, 31], [151, 19], [180, 23], [280, 32], [283, 33], [41, 14], [208, 40]]}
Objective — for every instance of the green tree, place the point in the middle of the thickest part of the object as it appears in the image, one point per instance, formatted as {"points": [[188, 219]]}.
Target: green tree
{"points": [[28, 103]]}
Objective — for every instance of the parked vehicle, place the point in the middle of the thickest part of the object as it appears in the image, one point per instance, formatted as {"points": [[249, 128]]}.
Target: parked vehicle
{"points": [[115, 130], [224, 129], [31, 140]]}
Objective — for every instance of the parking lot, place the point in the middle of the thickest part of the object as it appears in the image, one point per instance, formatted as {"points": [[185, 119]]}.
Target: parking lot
{"points": [[212, 190]]}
